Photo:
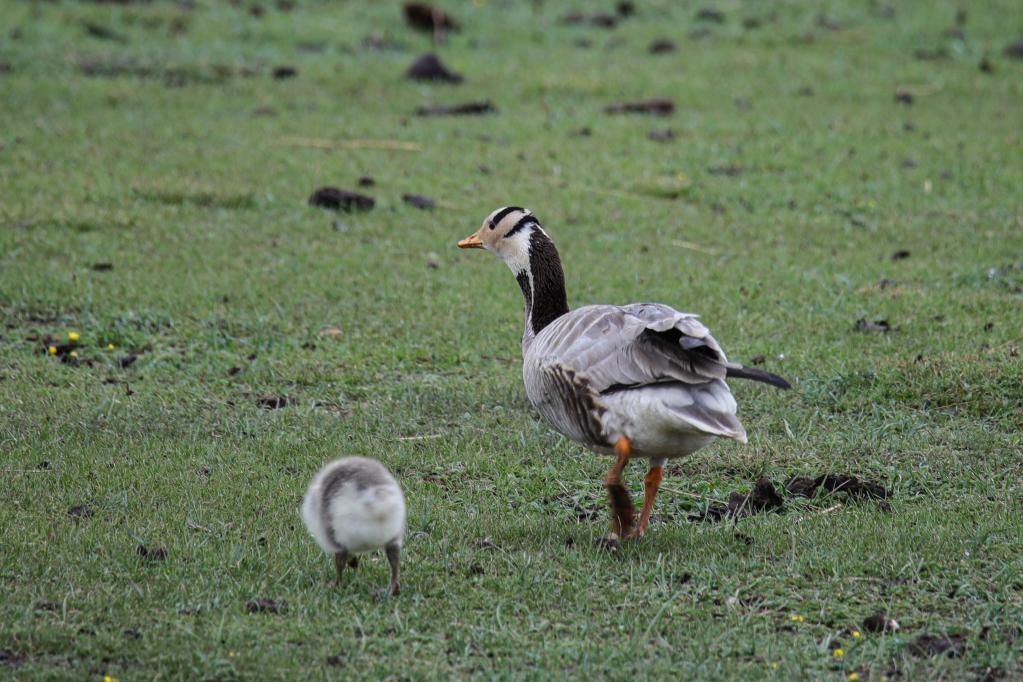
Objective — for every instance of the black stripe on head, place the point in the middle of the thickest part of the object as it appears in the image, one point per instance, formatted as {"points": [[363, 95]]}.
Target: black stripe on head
{"points": [[502, 214], [524, 221]]}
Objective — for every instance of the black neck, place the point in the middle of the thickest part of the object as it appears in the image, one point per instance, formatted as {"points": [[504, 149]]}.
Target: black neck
{"points": [[544, 287]]}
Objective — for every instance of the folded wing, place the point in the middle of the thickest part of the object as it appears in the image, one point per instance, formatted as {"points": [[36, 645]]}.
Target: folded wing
{"points": [[618, 347]]}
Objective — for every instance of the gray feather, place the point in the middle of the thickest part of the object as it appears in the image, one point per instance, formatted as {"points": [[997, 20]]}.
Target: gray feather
{"points": [[646, 368]]}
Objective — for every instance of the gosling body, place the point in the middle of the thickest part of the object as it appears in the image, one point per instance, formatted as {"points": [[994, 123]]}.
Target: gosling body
{"points": [[352, 506]]}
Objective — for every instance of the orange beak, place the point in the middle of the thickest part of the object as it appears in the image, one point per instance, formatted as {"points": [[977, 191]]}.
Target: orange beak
{"points": [[471, 242]]}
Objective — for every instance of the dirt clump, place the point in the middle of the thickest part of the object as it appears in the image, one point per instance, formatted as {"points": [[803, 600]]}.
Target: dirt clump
{"points": [[340, 200], [877, 326], [264, 606], [424, 17], [467, 109], [763, 498], [952, 646], [280, 73], [418, 201], [655, 107], [836, 483], [662, 46], [81, 511]]}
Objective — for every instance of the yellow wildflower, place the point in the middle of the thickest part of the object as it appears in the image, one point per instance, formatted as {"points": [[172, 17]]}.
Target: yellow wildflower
{"points": [[853, 676], [798, 619], [73, 354], [838, 653], [53, 350], [111, 346], [73, 336], [109, 678], [857, 634]]}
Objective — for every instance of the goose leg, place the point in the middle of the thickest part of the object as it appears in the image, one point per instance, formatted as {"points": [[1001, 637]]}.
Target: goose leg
{"points": [[623, 513], [652, 482]]}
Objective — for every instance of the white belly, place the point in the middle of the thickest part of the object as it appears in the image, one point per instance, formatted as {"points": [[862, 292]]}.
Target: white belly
{"points": [[661, 421], [669, 421]]}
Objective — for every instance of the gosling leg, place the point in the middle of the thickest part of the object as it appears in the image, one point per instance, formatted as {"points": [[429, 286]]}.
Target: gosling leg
{"points": [[340, 561], [393, 554]]}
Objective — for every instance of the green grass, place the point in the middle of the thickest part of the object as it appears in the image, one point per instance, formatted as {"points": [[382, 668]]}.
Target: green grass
{"points": [[167, 155]]}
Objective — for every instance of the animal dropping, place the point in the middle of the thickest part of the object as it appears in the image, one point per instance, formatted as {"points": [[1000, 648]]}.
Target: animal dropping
{"points": [[430, 68], [354, 505]]}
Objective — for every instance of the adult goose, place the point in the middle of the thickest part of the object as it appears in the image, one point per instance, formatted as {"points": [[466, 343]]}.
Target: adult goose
{"points": [[636, 381]]}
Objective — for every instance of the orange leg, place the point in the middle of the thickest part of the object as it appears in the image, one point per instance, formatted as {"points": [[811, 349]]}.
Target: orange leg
{"points": [[623, 512], [652, 483]]}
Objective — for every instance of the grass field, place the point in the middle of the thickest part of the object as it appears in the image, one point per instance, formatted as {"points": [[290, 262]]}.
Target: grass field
{"points": [[154, 138]]}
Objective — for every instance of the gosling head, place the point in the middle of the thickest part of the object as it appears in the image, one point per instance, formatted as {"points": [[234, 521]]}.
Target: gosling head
{"points": [[506, 233]]}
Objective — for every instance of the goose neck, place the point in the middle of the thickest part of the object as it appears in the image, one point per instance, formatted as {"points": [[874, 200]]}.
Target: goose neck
{"points": [[542, 282]]}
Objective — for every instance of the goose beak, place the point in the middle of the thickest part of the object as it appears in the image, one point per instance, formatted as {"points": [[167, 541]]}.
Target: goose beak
{"points": [[471, 242]]}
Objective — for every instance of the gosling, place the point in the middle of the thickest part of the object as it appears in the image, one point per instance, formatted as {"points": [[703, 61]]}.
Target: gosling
{"points": [[355, 505]]}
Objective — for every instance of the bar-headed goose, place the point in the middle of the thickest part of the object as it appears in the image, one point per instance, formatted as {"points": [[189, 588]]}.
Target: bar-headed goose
{"points": [[641, 380]]}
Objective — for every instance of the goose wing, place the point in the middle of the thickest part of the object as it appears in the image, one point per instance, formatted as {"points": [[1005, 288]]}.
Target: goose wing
{"points": [[618, 347]]}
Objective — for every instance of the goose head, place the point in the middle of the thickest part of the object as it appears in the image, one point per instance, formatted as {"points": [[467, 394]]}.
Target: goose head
{"points": [[506, 233], [514, 235]]}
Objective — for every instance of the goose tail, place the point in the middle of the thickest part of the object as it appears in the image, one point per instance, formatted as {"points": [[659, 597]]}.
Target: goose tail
{"points": [[753, 374]]}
